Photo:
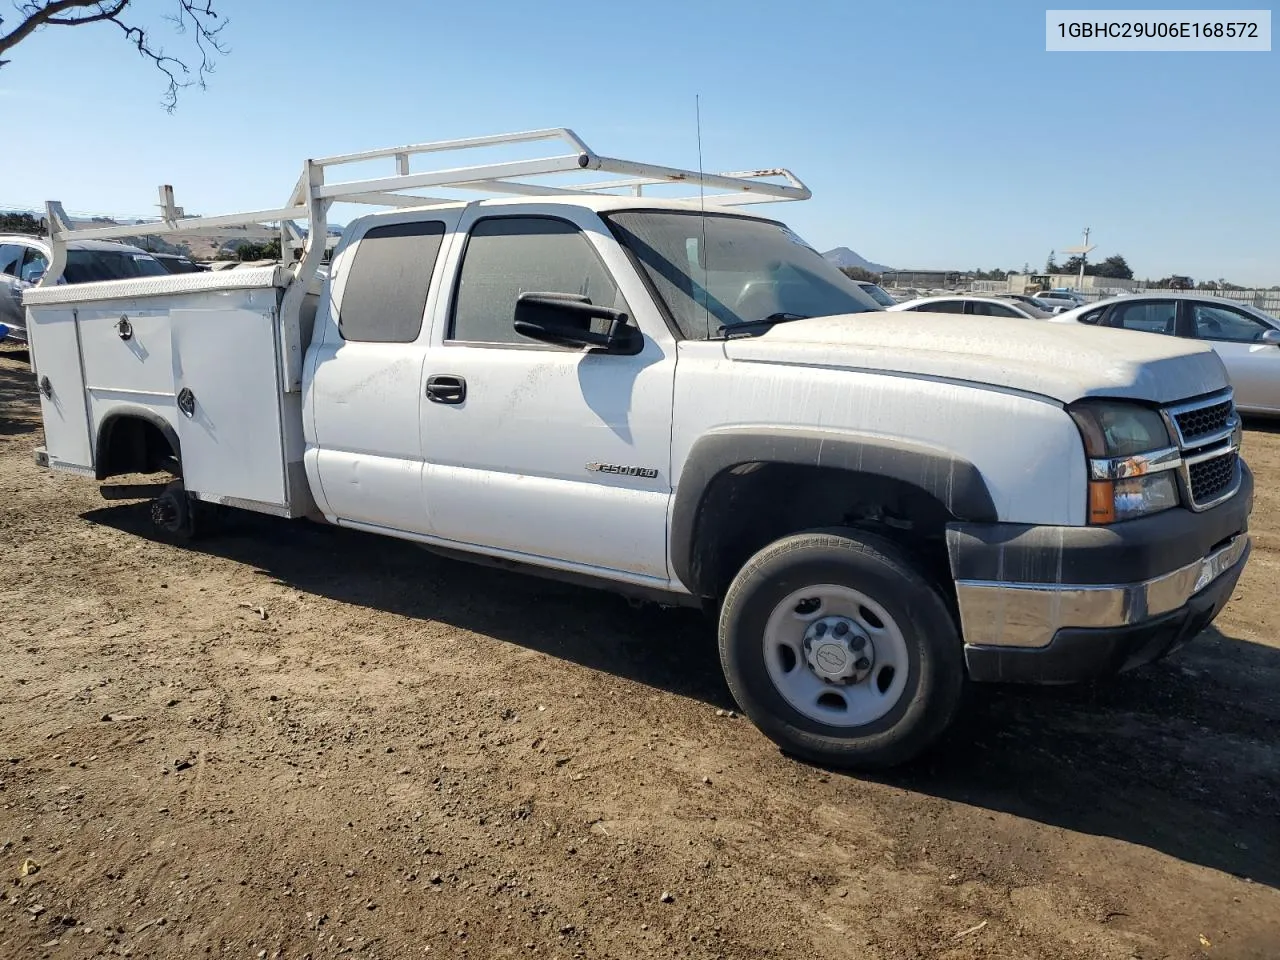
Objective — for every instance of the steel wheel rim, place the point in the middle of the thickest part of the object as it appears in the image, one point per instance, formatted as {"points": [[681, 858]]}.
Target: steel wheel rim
{"points": [[795, 651]]}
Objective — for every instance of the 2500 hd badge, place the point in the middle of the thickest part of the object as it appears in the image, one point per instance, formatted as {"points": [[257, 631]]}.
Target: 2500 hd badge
{"points": [[647, 472]]}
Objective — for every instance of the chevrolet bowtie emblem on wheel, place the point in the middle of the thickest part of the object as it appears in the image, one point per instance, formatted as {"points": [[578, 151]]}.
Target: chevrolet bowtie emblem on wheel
{"points": [[647, 472]]}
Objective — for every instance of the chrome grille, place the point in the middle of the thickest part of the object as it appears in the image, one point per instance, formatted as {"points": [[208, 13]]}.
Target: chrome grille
{"points": [[1203, 421], [1209, 479], [1208, 437]]}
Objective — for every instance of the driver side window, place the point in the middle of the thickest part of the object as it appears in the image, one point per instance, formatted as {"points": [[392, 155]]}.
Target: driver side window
{"points": [[508, 256], [1223, 323]]}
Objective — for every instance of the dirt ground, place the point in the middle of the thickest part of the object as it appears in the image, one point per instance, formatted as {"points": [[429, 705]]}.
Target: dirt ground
{"points": [[297, 741]]}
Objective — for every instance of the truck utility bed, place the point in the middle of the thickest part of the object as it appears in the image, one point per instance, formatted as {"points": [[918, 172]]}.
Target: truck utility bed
{"points": [[189, 354]]}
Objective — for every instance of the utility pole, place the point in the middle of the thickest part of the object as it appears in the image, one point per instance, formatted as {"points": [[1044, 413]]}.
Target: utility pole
{"points": [[1082, 252], [1085, 245]]}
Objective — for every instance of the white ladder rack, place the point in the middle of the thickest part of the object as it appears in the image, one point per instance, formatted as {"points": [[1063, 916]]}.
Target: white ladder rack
{"points": [[314, 192], [566, 158]]}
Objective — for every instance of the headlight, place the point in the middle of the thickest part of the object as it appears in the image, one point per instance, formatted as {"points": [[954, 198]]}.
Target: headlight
{"points": [[1131, 459]]}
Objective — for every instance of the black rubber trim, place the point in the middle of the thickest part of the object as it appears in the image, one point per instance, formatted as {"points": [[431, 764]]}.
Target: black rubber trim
{"points": [[1078, 654], [1127, 552], [129, 412], [955, 482]]}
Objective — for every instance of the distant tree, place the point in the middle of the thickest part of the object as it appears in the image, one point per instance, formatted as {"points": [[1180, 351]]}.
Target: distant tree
{"points": [[1115, 267], [248, 250], [1072, 266], [996, 274], [1207, 285], [1051, 265], [21, 223], [1233, 286], [853, 273], [194, 18]]}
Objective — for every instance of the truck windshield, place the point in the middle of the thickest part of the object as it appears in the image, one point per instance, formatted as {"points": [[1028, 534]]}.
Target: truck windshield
{"points": [[717, 271], [90, 266]]}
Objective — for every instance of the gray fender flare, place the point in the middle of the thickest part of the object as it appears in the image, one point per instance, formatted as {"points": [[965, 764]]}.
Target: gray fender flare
{"points": [[955, 482]]}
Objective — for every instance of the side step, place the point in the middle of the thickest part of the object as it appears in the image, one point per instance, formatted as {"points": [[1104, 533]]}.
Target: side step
{"points": [[131, 491]]}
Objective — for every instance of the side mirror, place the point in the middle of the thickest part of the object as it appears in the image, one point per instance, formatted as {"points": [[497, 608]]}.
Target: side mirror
{"points": [[565, 319], [1270, 336]]}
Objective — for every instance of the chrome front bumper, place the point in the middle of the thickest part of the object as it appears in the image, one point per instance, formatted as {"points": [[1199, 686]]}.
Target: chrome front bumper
{"points": [[1030, 615]]}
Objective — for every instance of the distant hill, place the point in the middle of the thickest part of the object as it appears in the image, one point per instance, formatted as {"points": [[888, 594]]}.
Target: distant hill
{"points": [[844, 257]]}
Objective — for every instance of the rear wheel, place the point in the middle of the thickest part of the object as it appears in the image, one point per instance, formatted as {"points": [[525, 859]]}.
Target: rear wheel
{"points": [[173, 515], [840, 650]]}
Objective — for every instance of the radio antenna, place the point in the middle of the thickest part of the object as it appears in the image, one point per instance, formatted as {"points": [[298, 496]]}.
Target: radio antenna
{"points": [[702, 204]]}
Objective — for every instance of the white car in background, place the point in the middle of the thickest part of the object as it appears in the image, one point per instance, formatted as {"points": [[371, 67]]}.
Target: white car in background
{"points": [[1246, 338], [1067, 299], [972, 306]]}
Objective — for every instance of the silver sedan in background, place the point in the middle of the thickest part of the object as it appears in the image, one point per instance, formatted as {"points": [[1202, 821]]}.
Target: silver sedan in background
{"points": [[1246, 338], [974, 306]]}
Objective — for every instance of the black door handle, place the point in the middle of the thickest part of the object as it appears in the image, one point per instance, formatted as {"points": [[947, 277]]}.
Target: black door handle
{"points": [[445, 388]]}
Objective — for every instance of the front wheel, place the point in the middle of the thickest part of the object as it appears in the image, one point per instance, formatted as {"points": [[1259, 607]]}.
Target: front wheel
{"points": [[840, 651]]}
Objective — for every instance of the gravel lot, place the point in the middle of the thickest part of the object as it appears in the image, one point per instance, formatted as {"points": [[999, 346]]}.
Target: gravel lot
{"points": [[300, 741]]}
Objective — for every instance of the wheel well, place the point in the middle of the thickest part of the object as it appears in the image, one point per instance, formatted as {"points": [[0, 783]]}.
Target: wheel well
{"points": [[748, 506], [128, 443]]}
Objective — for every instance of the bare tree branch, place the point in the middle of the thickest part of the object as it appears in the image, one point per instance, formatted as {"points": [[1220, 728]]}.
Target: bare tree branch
{"points": [[35, 16], [195, 17], [106, 14]]}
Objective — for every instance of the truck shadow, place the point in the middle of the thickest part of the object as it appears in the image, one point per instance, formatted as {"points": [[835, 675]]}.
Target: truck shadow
{"points": [[1182, 756], [668, 649]]}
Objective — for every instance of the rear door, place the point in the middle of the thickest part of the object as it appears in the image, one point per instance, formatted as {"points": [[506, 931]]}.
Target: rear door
{"points": [[368, 371], [1253, 366]]}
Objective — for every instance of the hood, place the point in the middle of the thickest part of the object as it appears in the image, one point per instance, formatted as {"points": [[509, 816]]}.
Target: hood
{"points": [[1061, 361]]}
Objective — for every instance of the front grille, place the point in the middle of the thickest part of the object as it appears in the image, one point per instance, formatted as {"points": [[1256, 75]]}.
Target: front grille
{"points": [[1210, 479], [1203, 421]]}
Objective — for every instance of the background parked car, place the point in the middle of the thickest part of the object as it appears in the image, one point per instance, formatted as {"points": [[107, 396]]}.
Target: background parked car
{"points": [[24, 259], [1061, 298], [974, 306], [1033, 301], [1246, 338], [876, 292]]}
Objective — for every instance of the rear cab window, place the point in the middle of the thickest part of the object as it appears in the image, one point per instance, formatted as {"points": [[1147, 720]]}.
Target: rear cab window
{"points": [[384, 296]]}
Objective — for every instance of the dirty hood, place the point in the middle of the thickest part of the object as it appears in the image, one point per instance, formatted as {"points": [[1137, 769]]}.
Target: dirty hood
{"points": [[1061, 361]]}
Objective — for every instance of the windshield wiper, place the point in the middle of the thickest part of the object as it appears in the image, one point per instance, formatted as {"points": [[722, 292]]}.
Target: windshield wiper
{"points": [[752, 327]]}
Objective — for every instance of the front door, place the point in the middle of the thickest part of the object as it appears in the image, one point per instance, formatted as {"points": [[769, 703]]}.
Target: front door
{"points": [[539, 452], [367, 372]]}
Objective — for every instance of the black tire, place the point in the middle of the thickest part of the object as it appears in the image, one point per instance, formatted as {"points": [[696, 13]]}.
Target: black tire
{"points": [[173, 515], [882, 571]]}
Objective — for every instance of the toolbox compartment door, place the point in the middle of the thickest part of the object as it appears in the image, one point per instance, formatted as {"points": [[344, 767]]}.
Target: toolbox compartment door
{"points": [[226, 375]]}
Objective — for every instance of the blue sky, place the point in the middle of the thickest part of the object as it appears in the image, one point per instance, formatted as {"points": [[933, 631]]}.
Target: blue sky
{"points": [[932, 134]]}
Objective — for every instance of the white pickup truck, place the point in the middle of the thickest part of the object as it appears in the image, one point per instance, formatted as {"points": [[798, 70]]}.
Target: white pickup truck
{"points": [[681, 401]]}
